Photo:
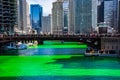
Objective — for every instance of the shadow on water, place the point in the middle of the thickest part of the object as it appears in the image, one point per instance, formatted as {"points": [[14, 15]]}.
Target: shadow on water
{"points": [[61, 78], [9, 52], [82, 62]]}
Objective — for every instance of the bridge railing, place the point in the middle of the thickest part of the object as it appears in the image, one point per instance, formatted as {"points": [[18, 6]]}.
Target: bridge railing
{"points": [[67, 36]]}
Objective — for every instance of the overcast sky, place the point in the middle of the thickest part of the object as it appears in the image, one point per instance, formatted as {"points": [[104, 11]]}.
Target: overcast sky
{"points": [[46, 4]]}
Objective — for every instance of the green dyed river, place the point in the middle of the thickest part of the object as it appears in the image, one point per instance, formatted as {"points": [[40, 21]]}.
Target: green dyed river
{"points": [[57, 61]]}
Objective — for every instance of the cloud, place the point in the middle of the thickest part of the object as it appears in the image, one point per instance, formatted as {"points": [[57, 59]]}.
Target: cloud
{"points": [[46, 4]]}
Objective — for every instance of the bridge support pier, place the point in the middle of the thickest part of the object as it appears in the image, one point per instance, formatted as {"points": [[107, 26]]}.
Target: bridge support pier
{"points": [[40, 42]]}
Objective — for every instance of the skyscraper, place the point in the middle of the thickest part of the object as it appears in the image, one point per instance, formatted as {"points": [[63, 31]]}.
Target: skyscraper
{"points": [[115, 14], [23, 13], [71, 18], [119, 18], [28, 29], [108, 12], [111, 13], [8, 15], [57, 17], [36, 17], [82, 16], [94, 14], [46, 24], [100, 11], [65, 14]]}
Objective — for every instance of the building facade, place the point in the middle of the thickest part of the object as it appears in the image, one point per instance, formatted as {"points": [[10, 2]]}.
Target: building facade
{"points": [[116, 14], [110, 44], [36, 17], [71, 19], [94, 14], [23, 12], [82, 15], [119, 17], [111, 13], [65, 14], [8, 16], [28, 29], [46, 24], [57, 17], [100, 11], [108, 12]]}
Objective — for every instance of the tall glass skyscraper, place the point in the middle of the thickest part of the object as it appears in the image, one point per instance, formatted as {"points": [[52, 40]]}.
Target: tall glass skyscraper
{"points": [[111, 13], [36, 17], [108, 12], [82, 15], [116, 15], [100, 11], [119, 17], [65, 12]]}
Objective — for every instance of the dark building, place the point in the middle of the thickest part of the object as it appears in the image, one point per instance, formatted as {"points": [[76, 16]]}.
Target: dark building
{"points": [[36, 17], [119, 19], [108, 12], [100, 11], [8, 16]]}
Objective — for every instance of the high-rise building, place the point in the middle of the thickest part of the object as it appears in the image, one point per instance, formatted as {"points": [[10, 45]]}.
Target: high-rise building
{"points": [[115, 14], [82, 16], [36, 17], [71, 18], [8, 16], [46, 24], [108, 12], [100, 11], [111, 12], [23, 16], [28, 29], [57, 17], [65, 12], [119, 18], [94, 14]]}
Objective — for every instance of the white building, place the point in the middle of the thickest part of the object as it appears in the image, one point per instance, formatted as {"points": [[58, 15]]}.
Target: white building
{"points": [[23, 16], [29, 28], [57, 17]]}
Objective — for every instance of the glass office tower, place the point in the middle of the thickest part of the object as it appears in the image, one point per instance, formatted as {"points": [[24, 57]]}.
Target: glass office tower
{"points": [[83, 16], [100, 11], [36, 17], [111, 13]]}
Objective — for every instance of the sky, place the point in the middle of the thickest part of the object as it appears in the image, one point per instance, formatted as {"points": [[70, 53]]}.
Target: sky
{"points": [[46, 4]]}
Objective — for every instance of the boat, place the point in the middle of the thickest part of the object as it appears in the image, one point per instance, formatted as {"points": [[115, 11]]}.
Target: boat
{"points": [[91, 54], [20, 46], [100, 54], [30, 44]]}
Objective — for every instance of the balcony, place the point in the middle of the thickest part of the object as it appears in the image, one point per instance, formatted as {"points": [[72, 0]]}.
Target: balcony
{"points": [[5, 5], [6, 11], [6, 8], [5, 1], [0, 15]]}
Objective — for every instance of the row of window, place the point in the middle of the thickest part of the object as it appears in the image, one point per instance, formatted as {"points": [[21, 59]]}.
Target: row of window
{"points": [[111, 47], [111, 40]]}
